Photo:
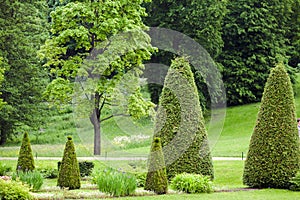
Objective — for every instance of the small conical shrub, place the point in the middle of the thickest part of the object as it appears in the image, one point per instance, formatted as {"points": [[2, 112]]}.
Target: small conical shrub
{"points": [[69, 174], [156, 179], [273, 157], [180, 124], [25, 160]]}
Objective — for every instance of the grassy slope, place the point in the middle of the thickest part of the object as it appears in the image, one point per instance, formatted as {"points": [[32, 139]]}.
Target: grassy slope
{"points": [[233, 140]]}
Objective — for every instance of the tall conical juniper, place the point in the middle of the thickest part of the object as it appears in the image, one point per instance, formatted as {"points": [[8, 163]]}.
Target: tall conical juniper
{"points": [[273, 156], [156, 179], [180, 124], [69, 174], [25, 160]]}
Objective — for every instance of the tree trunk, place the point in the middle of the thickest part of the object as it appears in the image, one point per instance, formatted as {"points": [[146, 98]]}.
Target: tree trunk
{"points": [[3, 136], [97, 133]]}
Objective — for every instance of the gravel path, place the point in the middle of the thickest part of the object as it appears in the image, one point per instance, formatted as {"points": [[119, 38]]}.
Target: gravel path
{"points": [[110, 158]]}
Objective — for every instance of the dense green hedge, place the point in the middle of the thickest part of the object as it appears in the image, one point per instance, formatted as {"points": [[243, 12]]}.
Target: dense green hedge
{"points": [[85, 167], [180, 124], [25, 160], [69, 175], [156, 179], [273, 156]]}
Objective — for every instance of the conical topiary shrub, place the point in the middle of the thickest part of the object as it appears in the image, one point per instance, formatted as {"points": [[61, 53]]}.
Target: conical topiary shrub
{"points": [[273, 156], [156, 179], [180, 124], [69, 174], [25, 159]]}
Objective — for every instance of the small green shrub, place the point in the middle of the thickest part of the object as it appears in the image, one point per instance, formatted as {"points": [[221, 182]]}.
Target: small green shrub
{"points": [[34, 179], [4, 169], [115, 183], [192, 183], [295, 183], [25, 159], [140, 179], [49, 172], [85, 167], [11, 190]]}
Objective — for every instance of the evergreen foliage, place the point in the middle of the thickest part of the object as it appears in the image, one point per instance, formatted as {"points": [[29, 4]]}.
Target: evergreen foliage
{"points": [[201, 21], [69, 174], [255, 38], [23, 29], [180, 124], [156, 179], [25, 159], [273, 157]]}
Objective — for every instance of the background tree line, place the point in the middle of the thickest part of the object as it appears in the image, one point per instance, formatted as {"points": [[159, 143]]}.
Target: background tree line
{"points": [[245, 38]]}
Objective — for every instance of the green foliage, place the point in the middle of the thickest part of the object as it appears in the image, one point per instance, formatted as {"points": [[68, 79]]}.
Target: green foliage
{"points": [[254, 33], [273, 157], [23, 30], [295, 183], [80, 31], [201, 21], [85, 167], [115, 183], [69, 175], [192, 183], [4, 169], [140, 179], [34, 179], [49, 172], [11, 190], [25, 159], [156, 179], [180, 124]]}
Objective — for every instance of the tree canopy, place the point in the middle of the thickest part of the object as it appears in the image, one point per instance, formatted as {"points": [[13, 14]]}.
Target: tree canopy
{"points": [[23, 30], [98, 40]]}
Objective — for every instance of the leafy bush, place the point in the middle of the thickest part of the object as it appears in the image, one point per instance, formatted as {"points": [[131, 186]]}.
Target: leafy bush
{"points": [[11, 190], [4, 169], [295, 183], [180, 124], [140, 179], [156, 179], [49, 172], [25, 159], [115, 183], [85, 168], [34, 179], [192, 183], [273, 156], [69, 175]]}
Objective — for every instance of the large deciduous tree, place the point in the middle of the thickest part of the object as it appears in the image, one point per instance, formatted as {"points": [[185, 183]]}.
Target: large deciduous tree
{"points": [[101, 41], [255, 38], [180, 124], [22, 31], [273, 157], [201, 21]]}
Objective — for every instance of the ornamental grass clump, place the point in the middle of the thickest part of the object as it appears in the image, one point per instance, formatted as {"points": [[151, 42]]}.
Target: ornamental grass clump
{"points": [[115, 183], [33, 179], [192, 183], [25, 159], [69, 174], [273, 157]]}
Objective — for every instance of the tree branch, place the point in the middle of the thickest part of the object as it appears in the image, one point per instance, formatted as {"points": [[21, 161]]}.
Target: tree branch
{"points": [[116, 115]]}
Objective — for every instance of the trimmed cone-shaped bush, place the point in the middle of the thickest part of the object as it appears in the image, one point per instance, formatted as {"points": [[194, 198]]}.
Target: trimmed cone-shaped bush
{"points": [[25, 160], [69, 175], [180, 124], [156, 179], [273, 156]]}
